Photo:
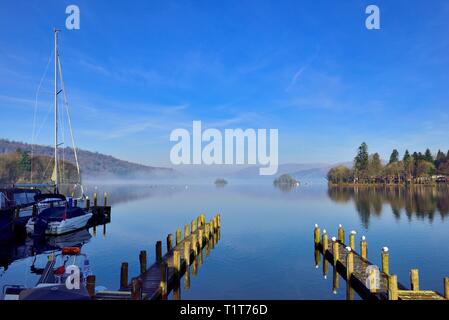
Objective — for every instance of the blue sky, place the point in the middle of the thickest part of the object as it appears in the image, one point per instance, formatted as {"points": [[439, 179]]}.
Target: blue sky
{"points": [[138, 69]]}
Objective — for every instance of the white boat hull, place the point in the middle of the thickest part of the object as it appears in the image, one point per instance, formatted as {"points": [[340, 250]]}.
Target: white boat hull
{"points": [[61, 227]]}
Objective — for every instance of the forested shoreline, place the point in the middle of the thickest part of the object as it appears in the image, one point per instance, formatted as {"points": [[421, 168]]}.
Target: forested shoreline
{"points": [[416, 167]]}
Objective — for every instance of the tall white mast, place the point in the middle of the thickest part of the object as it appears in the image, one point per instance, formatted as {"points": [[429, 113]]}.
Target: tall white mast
{"points": [[56, 169]]}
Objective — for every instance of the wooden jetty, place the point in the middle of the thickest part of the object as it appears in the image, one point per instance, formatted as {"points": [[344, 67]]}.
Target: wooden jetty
{"points": [[361, 275], [163, 276]]}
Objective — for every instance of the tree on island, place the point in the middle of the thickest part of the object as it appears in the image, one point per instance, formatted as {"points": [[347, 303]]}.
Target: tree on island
{"points": [[220, 182], [285, 179]]}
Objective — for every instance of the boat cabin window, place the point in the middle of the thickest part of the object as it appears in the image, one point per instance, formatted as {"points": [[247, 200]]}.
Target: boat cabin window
{"points": [[23, 198]]}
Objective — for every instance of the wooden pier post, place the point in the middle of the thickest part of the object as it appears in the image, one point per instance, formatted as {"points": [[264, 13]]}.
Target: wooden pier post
{"points": [[186, 231], [211, 227], [193, 226], [341, 234], [316, 235], [392, 287], [349, 264], [335, 252], [143, 261], [325, 242], [105, 197], [158, 251], [177, 261], [95, 199], [446, 288], [215, 223], [198, 221], [169, 242], [187, 253], [136, 289], [200, 238], [178, 236], [90, 285], [218, 221], [352, 240], [385, 261], [124, 275], [194, 245], [163, 284], [414, 279], [364, 248], [206, 231]]}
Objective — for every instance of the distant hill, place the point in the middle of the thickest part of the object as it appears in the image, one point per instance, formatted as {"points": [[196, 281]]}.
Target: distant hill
{"points": [[93, 164]]}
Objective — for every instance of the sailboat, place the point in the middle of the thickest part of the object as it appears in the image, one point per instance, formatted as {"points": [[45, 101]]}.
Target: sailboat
{"points": [[57, 215]]}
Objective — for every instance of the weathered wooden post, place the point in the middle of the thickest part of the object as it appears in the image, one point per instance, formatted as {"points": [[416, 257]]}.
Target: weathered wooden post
{"points": [[194, 245], [124, 275], [95, 199], [215, 223], [352, 240], [392, 287], [364, 248], [198, 221], [136, 289], [143, 261], [335, 252], [178, 236], [414, 279], [206, 229], [200, 238], [105, 196], [193, 226], [385, 261], [446, 288], [211, 224], [163, 284], [177, 261], [218, 220], [187, 253], [186, 231], [90, 285], [349, 264], [341, 234], [158, 251], [169, 242], [316, 235], [325, 242]]}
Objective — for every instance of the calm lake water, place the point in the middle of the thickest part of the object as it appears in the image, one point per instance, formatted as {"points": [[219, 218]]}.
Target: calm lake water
{"points": [[266, 242]]}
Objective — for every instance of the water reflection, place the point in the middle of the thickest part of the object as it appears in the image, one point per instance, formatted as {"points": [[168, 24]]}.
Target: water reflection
{"points": [[421, 201]]}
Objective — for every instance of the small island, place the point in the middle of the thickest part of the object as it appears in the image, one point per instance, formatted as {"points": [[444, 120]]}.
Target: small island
{"points": [[286, 180], [220, 182]]}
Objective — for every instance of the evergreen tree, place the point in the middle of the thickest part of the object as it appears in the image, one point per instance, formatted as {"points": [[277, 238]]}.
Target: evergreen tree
{"points": [[428, 156], [24, 165], [394, 156], [361, 161], [406, 156]]}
